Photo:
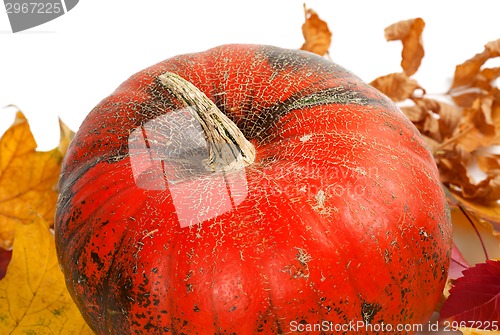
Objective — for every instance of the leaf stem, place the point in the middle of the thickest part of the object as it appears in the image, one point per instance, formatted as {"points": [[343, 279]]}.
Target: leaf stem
{"points": [[475, 229]]}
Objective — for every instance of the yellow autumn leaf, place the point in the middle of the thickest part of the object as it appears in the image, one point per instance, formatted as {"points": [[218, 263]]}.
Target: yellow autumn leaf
{"points": [[474, 331], [65, 138], [27, 179], [33, 294], [475, 227]]}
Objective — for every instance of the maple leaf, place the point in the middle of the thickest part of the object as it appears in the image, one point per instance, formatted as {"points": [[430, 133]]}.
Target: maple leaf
{"points": [[27, 179], [33, 294], [475, 296], [316, 33], [457, 263]]}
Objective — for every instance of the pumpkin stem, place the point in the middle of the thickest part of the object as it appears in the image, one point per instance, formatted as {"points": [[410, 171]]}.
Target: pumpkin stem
{"points": [[228, 149]]}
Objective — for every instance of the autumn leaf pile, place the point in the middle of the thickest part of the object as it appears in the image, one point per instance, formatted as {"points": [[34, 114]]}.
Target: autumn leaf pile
{"points": [[33, 294], [461, 133], [462, 129]]}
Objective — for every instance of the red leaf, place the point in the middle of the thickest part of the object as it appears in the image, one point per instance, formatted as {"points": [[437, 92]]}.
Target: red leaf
{"points": [[476, 295], [458, 264], [5, 256]]}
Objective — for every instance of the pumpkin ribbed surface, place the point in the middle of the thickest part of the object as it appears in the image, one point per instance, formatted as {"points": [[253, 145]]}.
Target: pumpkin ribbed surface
{"points": [[341, 217]]}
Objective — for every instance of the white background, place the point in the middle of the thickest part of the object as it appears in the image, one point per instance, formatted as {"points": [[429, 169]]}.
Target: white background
{"points": [[65, 67]]}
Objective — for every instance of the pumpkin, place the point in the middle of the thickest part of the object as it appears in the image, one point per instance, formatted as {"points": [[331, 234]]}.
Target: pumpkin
{"points": [[251, 189]]}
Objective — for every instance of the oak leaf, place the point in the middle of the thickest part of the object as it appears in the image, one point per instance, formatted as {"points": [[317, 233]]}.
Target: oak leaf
{"points": [[409, 32], [316, 33], [27, 179], [33, 294]]}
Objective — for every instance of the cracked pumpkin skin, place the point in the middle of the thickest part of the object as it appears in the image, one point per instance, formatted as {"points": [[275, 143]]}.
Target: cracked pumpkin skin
{"points": [[340, 217]]}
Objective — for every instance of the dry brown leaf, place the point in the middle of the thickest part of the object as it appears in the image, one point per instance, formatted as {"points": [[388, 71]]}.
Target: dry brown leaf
{"points": [[316, 33], [431, 128], [458, 134], [486, 191], [490, 74], [432, 144], [488, 162], [433, 118], [454, 173], [488, 215], [478, 229], [466, 72], [471, 82], [449, 117], [479, 126], [466, 97], [481, 115], [415, 114], [27, 179], [409, 32], [493, 47], [453, 168], [425, 121], [397, 86]]}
